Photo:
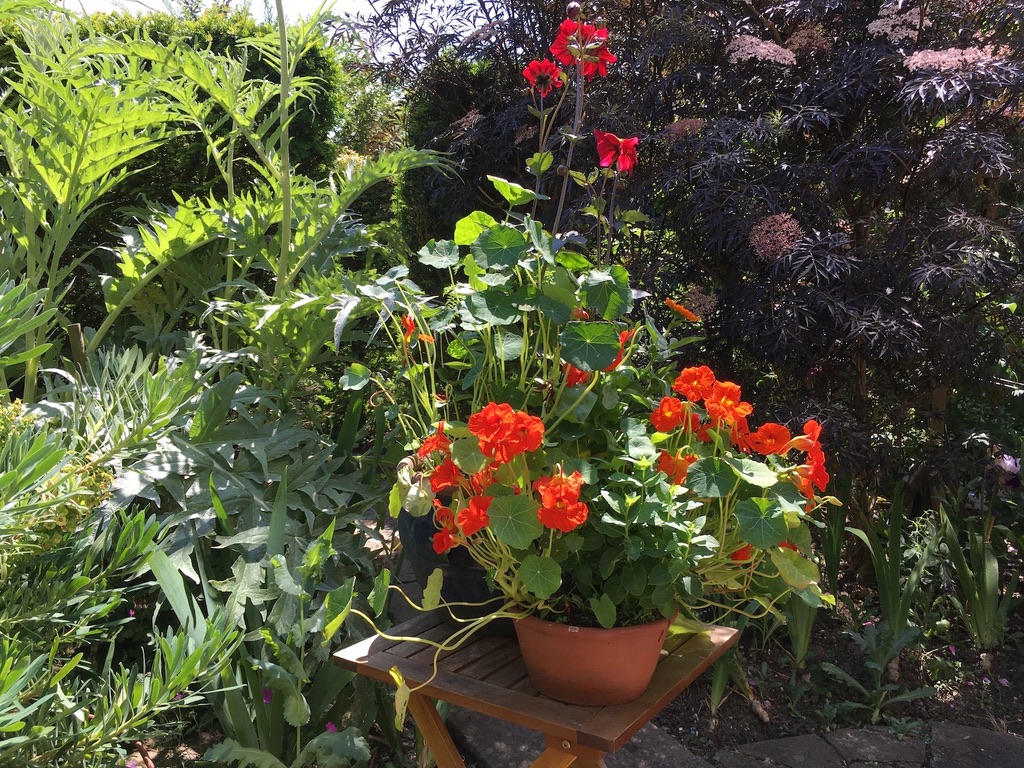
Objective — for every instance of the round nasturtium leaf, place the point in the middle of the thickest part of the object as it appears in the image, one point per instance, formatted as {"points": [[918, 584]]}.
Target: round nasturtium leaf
{"points": [[798, 572], [754, 472], [590, 346], [468, 228], [442, 255], [514, 520], [762, 522], [513, 193], [500, 247], [710, 478], [541, 575]]}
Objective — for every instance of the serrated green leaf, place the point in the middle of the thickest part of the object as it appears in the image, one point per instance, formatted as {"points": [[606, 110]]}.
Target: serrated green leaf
{"points": [[469, 228], [499, 248], [541, 575], [539, 162], [761, 522], [514, 520], [589, 346]]}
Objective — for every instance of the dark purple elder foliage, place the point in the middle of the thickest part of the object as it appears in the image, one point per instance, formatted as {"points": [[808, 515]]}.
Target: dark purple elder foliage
{"points": [[845, 177], [835, 186]]}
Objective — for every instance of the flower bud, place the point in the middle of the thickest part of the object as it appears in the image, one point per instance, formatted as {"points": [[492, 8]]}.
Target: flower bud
{"points": [[573, 10], [562, 171], [600, 23]]}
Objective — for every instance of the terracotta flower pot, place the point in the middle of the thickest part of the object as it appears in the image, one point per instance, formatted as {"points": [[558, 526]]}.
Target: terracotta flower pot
{"points": [[592, 667]]}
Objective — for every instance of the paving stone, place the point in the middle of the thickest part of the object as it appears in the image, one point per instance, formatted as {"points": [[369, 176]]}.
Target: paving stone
{"points": [[796, 752], [874, 764], [736, 760], [957, 746], [493, 743], [877, 745]]}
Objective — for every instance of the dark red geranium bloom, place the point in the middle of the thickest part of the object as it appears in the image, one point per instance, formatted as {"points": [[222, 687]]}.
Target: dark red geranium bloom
{"points": [[543, 75], [577, 42], [611, 150]]}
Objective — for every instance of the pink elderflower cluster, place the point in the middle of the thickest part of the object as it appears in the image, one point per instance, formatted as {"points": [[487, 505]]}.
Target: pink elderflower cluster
{"points": [[683, 128], [947, 59], [808, 39], [699, 301], [750, 48], [899, 27], [775, 236]]}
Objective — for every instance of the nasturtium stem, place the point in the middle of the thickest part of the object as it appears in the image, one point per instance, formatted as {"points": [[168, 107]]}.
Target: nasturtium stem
{"points": [[577, 121]]}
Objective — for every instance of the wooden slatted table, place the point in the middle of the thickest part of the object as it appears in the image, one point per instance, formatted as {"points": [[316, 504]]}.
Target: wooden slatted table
{"points": [[487, 675]]}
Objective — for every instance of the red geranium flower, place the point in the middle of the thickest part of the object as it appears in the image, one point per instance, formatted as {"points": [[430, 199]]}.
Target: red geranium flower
{"points": [[668, 415], [611, 150], [543, 75], [560, 505]]}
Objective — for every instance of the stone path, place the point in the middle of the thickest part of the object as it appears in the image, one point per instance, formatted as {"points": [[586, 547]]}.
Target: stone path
{"points": [[490, 743]]}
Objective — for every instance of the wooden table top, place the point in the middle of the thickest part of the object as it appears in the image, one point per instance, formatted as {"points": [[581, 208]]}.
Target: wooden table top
{"points": [[487, 675]]}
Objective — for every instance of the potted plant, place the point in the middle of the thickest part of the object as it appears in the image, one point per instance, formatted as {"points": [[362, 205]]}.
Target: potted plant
{"points": [[557, 438]]}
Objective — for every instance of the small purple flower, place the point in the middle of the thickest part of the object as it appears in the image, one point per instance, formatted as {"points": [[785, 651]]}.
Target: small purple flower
{"points": [[1009, 464], [1003, 682], [178, 696], [131, 613], [331, 727], [952, 650], [268, 695], [985, 680]]}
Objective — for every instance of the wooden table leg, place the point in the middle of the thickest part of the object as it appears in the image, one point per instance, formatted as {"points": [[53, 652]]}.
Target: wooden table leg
{"points": [[554, 758], [561, 753], [434, 732]]}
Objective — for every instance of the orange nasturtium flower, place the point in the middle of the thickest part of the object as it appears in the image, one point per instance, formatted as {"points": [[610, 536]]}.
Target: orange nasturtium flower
{"points": [[741, 555], [694, 383], [504, 433], [436, 442], [675, 465], [624, 338], [669, 414], [443, 539], [408, 327], [770, 438], [575, 376], [679, 309], [560, 505], [474, 516], [724, 403], [445, 476]]}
